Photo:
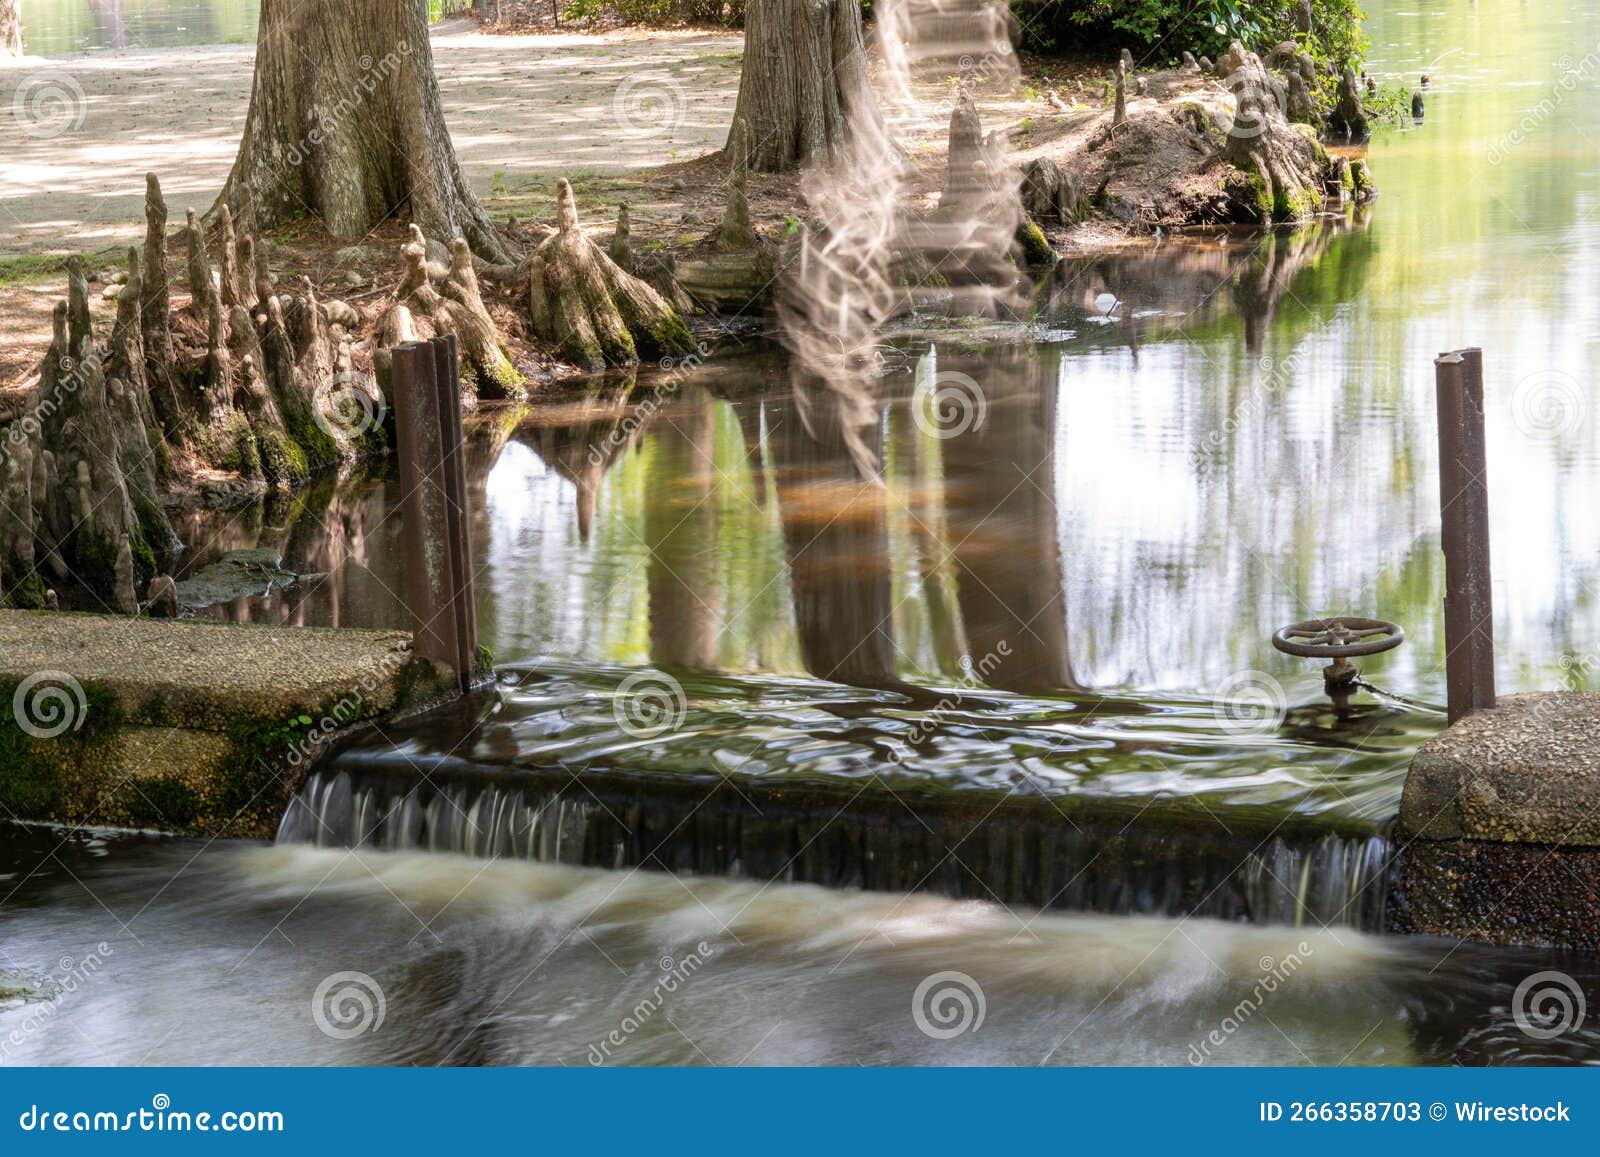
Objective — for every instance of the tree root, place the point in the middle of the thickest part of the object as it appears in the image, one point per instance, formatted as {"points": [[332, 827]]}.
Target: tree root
{"points": [[1280, 168], [978, 234], [598, 313], [434, 298], [79, 474]]}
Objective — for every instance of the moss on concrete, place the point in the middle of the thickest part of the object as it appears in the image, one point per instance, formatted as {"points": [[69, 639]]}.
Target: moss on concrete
{"points": [[31, 783], [189, 726]]}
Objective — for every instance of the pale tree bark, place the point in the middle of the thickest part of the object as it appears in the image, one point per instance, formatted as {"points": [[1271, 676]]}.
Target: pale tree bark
{"points": [[10, 27], [346, 124], [804, 89]]}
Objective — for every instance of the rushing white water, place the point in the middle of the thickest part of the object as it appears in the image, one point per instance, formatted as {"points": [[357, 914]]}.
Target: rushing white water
{"points": [[1313, 880], [324, 956]]}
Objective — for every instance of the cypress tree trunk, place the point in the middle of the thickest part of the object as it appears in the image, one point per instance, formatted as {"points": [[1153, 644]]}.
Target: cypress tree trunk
{"points": [[10, 27], [804, 82], [346, 123]]}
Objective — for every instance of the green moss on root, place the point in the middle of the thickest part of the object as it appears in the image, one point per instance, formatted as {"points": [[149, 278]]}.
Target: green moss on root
{"points": [[27, 594], [1036, 250], [31, 786]]}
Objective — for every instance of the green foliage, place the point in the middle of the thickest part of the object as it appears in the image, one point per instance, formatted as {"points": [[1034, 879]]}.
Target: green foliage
{"points": [[1168, 27], [1391, 103], [658, 13]]}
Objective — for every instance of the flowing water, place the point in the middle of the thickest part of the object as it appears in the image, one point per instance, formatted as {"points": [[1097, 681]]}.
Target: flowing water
{"points": [[1010, 714], [293, 955]]}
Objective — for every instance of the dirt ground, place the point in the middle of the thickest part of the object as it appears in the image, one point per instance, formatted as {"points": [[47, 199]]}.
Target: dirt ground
{"points": [[523, 110], [518, 107], [626, 115]]}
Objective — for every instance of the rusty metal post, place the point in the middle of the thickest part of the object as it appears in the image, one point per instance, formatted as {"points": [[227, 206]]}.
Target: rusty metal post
{"points": [[463, 604], [1464, 513], [429, 590]]}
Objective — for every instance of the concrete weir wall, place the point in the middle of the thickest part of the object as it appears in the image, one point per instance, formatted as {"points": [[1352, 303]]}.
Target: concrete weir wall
{"points": [[184, 726], [1501, 825]]}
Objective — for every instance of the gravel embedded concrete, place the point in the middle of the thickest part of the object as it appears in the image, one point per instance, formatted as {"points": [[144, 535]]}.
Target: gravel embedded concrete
{"points": [[203, 675], [1527, 771], [1500, 826], [184, 726]]}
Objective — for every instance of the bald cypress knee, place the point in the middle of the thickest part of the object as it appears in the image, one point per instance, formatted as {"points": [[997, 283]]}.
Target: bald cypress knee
{"points": [[10, 27]]}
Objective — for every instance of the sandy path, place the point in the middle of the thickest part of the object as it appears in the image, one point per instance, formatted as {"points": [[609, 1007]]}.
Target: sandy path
{"points": [[519, 107]]}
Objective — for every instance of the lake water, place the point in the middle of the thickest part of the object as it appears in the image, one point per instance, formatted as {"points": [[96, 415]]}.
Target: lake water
{"points": [[1068, 603], [53, 27]]}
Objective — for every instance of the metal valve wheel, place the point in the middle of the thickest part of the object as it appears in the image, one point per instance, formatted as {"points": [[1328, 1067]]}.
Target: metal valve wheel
{"points": [[1339, 638]]}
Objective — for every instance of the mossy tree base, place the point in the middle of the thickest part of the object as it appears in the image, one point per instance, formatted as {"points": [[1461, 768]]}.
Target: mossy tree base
{"points": [[434, 298], [1280, 169], [599, 314]]}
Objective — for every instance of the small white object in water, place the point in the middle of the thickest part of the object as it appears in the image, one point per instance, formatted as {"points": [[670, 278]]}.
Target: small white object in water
{"points": [[1106, 302]]}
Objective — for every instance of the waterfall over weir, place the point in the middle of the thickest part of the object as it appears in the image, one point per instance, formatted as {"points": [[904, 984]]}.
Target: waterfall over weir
{"points": [[1154, 805], [1331, 879]]}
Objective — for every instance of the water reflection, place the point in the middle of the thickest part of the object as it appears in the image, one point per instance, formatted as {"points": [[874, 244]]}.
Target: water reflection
{"points": [[636, 525], [1002, 522], [1244, 439], [52, 27], [723, 528]]}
